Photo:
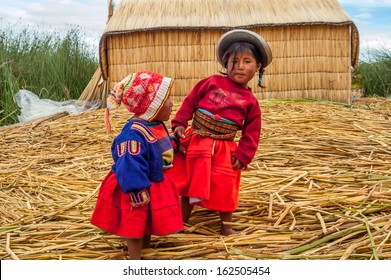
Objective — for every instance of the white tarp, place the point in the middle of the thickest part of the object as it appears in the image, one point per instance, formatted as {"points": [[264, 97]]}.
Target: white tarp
{"points": [[32, 107]]}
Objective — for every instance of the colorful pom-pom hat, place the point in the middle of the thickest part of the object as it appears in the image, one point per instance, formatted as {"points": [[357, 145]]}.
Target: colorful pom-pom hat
{"points": [[143, 93]]}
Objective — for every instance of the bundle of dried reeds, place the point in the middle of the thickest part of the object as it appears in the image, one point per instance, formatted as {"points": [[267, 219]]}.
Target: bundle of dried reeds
{"points": [[318, 188], [96, 89]]}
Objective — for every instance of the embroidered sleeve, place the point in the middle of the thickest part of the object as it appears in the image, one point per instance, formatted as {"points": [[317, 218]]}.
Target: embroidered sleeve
{"points": [[130, 165]]}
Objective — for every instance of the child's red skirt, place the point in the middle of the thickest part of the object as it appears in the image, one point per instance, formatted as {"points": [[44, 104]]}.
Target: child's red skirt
{"points": [[206, 172], [113, 211]]}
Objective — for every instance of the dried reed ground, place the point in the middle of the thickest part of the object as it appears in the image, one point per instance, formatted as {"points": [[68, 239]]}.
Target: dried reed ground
{"points": [[318, 188]]}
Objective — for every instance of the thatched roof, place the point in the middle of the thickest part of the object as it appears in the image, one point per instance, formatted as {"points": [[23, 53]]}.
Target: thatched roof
{"points": [[147, 15]]}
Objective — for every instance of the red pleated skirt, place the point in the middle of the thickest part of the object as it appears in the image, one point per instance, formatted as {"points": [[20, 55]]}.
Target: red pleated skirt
{"points": [[113, 212], [206, 172]]}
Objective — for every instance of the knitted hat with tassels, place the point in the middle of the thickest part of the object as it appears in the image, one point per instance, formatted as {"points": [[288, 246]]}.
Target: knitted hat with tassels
{"points": [[143, 93]]}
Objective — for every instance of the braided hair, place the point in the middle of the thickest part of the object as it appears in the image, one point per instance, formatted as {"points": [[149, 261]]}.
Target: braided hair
{"points": [[260, 77]]}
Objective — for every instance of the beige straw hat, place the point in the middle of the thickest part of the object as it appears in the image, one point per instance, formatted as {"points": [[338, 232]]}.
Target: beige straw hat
{"points": [[242, 35]]}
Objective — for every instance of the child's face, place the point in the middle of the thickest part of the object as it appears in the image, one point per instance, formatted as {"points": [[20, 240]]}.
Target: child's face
{"points": [[242, 68], [165, 112]]}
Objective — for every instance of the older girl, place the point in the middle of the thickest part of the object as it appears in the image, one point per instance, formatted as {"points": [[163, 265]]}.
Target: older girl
{"points": [[208, 173]]}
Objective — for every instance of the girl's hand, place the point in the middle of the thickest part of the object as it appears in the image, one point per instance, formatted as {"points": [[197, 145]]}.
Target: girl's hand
{"points": [[236, 164], [179, 132], [182, 149]]}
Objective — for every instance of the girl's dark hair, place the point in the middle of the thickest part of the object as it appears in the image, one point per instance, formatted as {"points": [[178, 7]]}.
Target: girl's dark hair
{"points": [[239, 47]]}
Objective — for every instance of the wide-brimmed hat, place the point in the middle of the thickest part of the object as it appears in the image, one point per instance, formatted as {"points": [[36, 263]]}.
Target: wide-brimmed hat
{"points": [[242, 35]]}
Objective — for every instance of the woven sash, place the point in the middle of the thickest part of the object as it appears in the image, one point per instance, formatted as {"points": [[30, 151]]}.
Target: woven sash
{"points": [[207, 126]]}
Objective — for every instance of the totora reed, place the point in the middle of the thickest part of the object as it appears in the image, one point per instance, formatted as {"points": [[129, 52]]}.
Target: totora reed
{"points": [[319, 187]]}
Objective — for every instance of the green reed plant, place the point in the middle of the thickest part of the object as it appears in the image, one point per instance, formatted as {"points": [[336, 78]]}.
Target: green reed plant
{"points": [[374, 72], [55, 66]]}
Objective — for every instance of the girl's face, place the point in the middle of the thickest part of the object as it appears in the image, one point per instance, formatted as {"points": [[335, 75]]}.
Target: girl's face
{"points": [[165, 112], [242, 68]]}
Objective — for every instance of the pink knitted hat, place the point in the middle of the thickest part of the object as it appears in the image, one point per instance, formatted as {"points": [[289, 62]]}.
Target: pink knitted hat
{"points": [[143, 93]]}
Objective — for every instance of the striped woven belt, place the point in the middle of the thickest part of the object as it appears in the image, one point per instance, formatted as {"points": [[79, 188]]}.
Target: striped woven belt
{"points": [[207, 126]]}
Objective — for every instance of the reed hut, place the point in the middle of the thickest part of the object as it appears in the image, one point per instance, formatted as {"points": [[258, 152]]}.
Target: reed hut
{"points": [[314, 42]]}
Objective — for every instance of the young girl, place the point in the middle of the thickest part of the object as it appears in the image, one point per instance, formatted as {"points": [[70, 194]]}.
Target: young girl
{"points": [[137, 199], [208, 174]]}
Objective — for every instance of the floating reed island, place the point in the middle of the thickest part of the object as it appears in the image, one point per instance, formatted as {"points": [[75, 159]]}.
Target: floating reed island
{"points": [[318, 188]]}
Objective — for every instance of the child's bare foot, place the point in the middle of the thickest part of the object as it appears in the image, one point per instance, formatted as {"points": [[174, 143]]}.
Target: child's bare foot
{"points": [[228, 231], [226, 218]]}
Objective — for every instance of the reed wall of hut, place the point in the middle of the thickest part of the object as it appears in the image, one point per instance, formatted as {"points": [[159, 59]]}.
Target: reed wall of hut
{"points": [[312, 58]]}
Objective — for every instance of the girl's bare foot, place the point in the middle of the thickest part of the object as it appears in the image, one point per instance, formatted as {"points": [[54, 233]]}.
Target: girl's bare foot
{"points": [[227, 231]]}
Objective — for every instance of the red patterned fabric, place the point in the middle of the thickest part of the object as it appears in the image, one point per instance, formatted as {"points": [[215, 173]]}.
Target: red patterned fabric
{"points": [[143, 93], [222, 97], [206, 172]]}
